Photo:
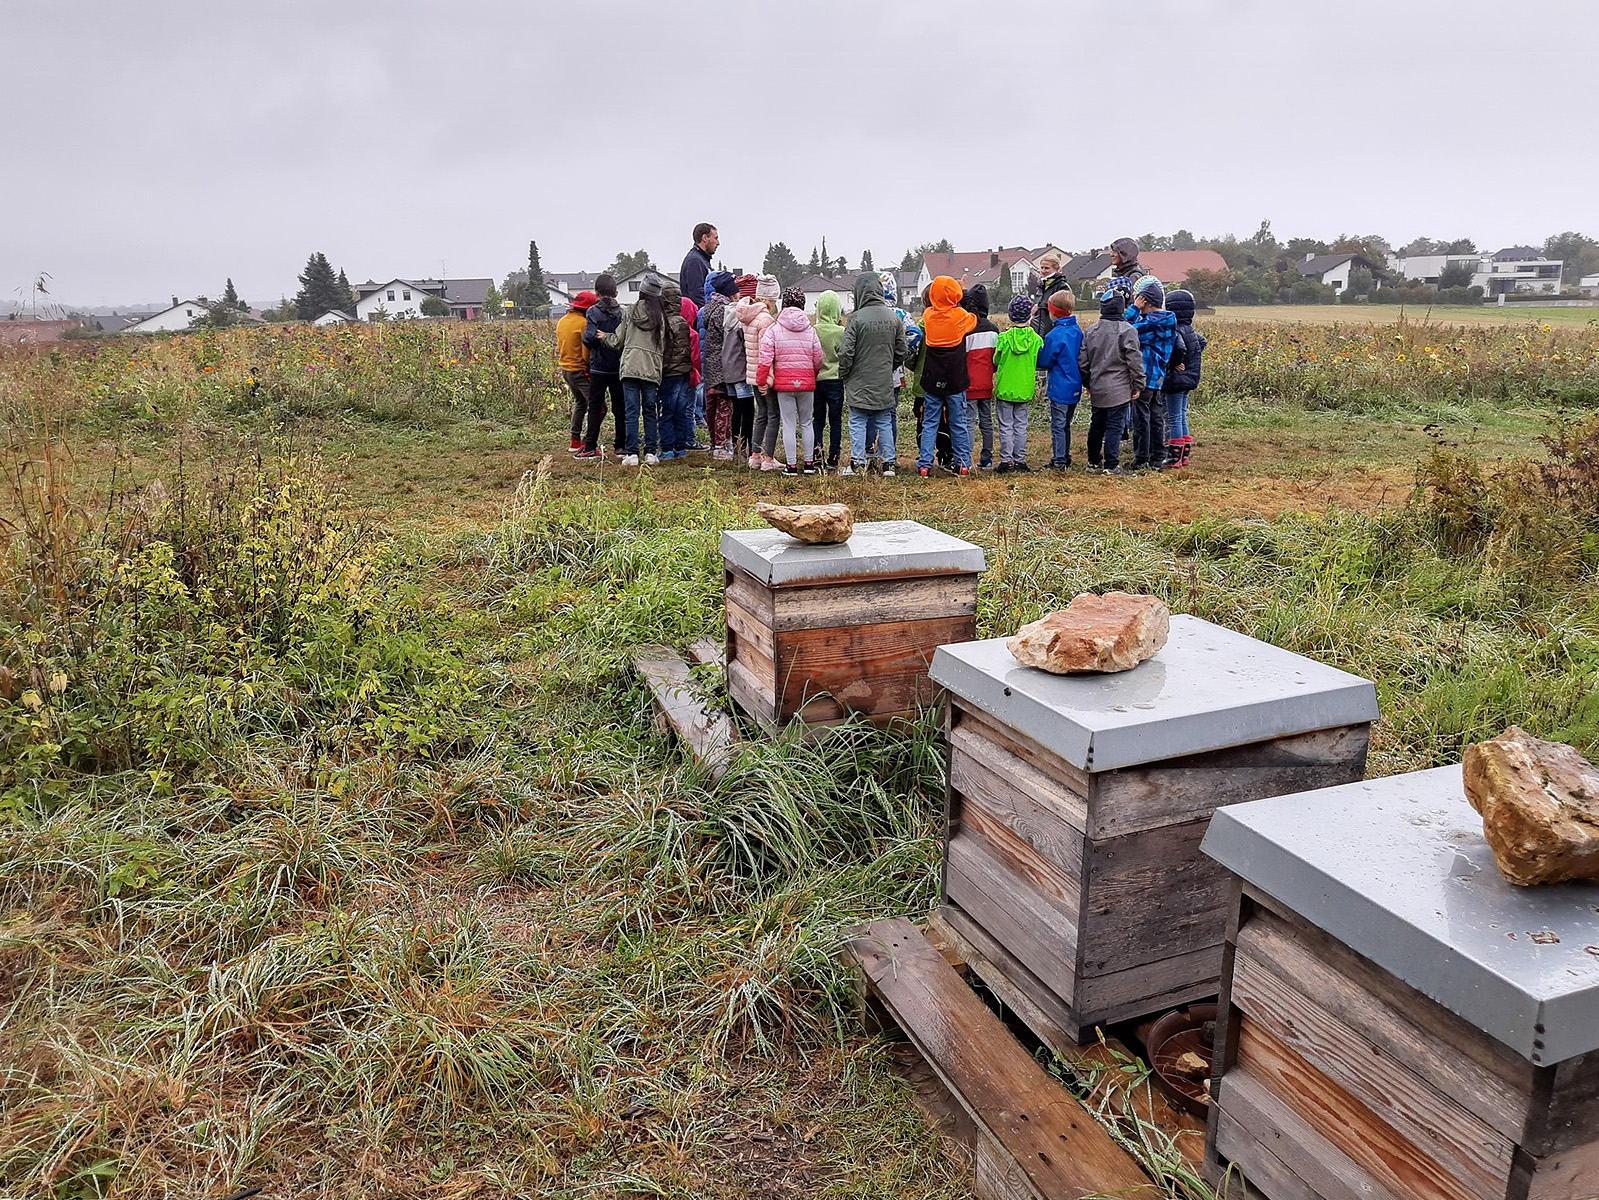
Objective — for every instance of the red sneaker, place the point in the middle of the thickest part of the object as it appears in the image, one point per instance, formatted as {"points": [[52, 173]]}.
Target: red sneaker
{"points": [[581, 453]]}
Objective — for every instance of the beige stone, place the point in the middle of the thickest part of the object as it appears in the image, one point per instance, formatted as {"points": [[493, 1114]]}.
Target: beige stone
{"points": [[1540, 807], [1190, 1065], [819, 524], [1113, 632]]}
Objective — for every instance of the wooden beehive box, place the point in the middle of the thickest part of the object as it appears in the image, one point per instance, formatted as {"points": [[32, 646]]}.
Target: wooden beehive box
{"points": [[822, 632], [1398, 1021], [1077, 804]]}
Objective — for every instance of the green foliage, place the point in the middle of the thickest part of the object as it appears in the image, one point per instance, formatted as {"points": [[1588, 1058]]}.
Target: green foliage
{"points": [[625, 264], [435, 306], [912, 258], [1455, 275], [1578, 251], [320, 290], [780, 261], [866, 261]]}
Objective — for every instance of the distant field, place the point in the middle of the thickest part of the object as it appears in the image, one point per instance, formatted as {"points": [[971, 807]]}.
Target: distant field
{"points": [[1387, 314]]}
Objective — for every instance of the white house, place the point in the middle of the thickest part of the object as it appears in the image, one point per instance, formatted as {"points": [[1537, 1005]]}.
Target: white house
{"points": [[814, 285], [627, 287], [1590, 284], [1513, 269], [179, 315], [402, 298], [395, 300], [1332, 270], [334, 316]]}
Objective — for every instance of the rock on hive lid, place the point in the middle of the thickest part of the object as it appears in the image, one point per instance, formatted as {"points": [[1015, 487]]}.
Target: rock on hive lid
{"points": [[875, 548], [1208, 689], [1397, 870]]}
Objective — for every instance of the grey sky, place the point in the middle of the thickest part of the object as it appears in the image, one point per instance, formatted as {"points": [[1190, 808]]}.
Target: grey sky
{"points": [[158, 147]]}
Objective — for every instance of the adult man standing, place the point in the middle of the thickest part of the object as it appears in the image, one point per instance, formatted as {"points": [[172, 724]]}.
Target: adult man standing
{"points": [[696, 267], [697, 262]]}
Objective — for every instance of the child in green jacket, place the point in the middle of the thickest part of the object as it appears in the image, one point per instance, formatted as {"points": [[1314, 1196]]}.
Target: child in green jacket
{"points": [[1015, 378]]}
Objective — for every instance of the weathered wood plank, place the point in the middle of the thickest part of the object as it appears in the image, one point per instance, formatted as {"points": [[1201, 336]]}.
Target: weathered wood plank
{"points": [[748, 693], [1570, 1115], [1073, 779], [1397, 1021], [991, 770], [709, 735], [1182, 789], [837, 657], [1028, 844], [1148, 987], [869, 602], [1257, 1173], [709, 653], [1436, 1123], [744, 589], [1151, 895], [1365, 1138], [1571, 1174], [1034, 927], [1249, 1109], [749, 628], [1058, 1149]]}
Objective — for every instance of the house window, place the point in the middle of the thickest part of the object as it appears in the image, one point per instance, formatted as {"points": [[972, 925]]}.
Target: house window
{"points": [[1337, 285], [391, 293], [633, 287], [407, 293]]}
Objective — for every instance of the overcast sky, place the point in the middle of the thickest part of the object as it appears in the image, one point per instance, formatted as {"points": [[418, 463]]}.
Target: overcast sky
{"points": [[158, 147]]}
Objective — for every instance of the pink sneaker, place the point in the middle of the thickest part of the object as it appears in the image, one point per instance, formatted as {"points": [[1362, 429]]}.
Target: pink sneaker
{"points": [[755, 462], [722, 454], [771, 464]]}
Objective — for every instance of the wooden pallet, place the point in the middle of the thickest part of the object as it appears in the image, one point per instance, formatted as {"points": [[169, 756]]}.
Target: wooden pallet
{"points": [[1033, 1140], [710, 736]]}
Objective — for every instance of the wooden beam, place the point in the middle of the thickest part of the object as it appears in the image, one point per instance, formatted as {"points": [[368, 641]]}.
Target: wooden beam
{"points": [[1035, 1141], [709, 735]]}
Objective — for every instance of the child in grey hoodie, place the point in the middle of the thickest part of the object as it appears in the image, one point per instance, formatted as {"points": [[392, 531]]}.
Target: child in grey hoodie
{"points": [[1113, 374]]}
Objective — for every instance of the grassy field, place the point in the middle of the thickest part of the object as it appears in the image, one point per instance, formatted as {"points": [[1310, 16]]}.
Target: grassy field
{"points": [[1387, 314], [342, 855]]}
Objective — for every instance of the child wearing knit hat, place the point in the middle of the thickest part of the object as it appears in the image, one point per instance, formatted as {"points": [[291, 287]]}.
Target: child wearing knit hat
{"points": [[1059, 358], [1015, 379], [1157, 335]]}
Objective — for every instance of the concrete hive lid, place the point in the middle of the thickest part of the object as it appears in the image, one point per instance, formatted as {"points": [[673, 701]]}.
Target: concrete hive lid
{"points": [[1397, 869], [1208, 689], [875, 548]]}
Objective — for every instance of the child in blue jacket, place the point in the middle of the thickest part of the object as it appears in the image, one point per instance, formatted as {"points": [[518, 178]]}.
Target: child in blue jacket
{"points": [[1157, 334], [1059, 358], [1182, 376]]}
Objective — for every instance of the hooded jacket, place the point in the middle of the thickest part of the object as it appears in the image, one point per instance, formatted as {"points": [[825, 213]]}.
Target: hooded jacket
{"points": [[1061, 347], [733, 359], [791, 354], [872, 349], [683, 340], [755, 319], [711, 318], [1157, 334], [830, 332], [1131, 270], [945, 324], [570, 352], [602, 318], [642, 350], [1111, 365], [1182, 372], [980, 343], [1016, 364]]}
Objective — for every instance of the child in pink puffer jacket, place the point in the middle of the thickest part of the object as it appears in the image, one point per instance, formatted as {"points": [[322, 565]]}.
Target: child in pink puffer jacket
{"points": [[756, 317], [791, 354]]}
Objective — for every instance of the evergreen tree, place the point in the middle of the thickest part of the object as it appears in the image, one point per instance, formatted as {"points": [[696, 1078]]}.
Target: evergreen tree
{"points": [[827, 263], [319, 289], [347, 291], [230, 298], [866, 261], [814, 267], [780, 261], [534, 298]]}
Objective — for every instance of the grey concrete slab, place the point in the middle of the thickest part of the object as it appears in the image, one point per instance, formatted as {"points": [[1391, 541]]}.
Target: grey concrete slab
{"points": [[875, 548], [1208, 688], [1397, 870]]}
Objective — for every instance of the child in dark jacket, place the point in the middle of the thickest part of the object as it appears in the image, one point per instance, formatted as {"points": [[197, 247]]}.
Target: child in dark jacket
{"points": [[1059, 357], [605, 368], [1113, 375], [980, 343], [1157, 334], [1182, 376]]}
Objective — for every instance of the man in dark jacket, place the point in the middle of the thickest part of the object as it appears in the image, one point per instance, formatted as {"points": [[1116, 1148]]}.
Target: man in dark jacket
{"points": [[872, 349], [605, 366], [697, 262]]}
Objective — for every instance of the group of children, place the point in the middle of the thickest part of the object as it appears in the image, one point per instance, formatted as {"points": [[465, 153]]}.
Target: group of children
{"points": [[770, 374]]}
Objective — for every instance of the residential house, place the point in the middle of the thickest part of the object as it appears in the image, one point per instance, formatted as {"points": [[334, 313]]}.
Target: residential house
{"points": [[1590, 285], [335, 316], [112, 322], [1333, 270], [402, 298], [966, 268], [1514, 269], [179, 315], [1171, 267], [627, 287], [18, 332], [814, 285]]}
